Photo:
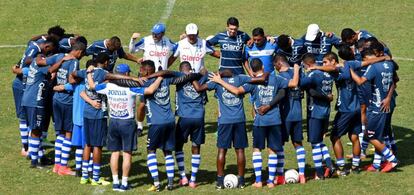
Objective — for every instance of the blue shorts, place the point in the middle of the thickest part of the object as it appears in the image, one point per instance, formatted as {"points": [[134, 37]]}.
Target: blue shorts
{"points": [[78, 138], [95, 131], [193, 127], [389, 131], [346, 123], [364, 93], [161, 136], [62, 114], [270, 134], [316, 129], [35, 117], [376, 125], [232, 133], [294, 130], [18, 94], [122, 135]]}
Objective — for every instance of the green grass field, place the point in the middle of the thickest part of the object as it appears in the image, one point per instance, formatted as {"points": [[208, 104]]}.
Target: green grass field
{"points": [[390, 21]]}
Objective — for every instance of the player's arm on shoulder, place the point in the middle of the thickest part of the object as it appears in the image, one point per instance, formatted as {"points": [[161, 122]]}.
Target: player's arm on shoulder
{"points": [[88, 100], [373, 60], [153, 87], [200, 87], [281, 93], [358, 80], [215, 77], [295, 80]]}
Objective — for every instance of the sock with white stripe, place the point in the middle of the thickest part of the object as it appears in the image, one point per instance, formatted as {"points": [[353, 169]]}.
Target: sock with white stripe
{"points": [[376, 163], [65, 152], [169, 167], [96, 173], [78, 158], [195, 164], [34, 144], [340, 162], [388, 155], [58, 149], [153, 167], [271, 163], [317, 158], [356, 159], [280, 162], [90, 167], [326, 156], [85, 172], [24, 134], [179, 157], [257, 165], [300, 156]]}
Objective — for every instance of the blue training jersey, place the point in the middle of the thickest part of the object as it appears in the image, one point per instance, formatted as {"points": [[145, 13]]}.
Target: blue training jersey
{"points": [[90, 112], [263, 95], [62, 77], [347, 100], [380, 76], [231, 109], [322, 82], [291, 107], [35, 93], [295, 55], [78, 104], [321, 47], [264, 53], [231, 49], [189, 102], [100, 47], [64, 45]]}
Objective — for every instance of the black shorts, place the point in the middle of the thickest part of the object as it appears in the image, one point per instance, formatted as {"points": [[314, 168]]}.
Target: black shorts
{"points": [[232, 133], [62, 114], [347, 123], [376, 125], [95, 131], [316, 129], [35, 118], [294, 130], [122, 135], [193, 127], [161, 136], [270, 134]]}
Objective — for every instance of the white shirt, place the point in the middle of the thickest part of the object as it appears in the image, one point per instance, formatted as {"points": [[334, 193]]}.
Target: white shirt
{"points": [[158, 52], [193, 53], [121, 100]]}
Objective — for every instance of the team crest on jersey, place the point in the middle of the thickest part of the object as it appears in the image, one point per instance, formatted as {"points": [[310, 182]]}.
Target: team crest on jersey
{"points": [[162, 96], [265, 93], [190, 92], [230, 99]]}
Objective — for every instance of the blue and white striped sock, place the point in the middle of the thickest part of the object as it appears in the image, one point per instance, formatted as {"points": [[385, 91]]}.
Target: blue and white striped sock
{"points": [[387, 141], [340, 162], [78, 158], [195, 164], [179, 157], [96, 173], [300, 157], [90, 167], [34, 144], [363, 141], [280, 162], [326, 156], [85, 166], [65, 152], [58, 148], [271, 163], [376, 163], [257, 165], [317, 158], [356, 160], [41, 152], [24, 134], [169, 167], [153, 167], [388, 155]]}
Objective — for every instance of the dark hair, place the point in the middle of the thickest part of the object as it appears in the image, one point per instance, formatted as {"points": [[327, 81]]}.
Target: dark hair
{"points": [[185, 63], [78, 46], [345, 52], [56, 30], [331, 56], [101, 58], [377, 46], [149, 63], [308, 57], [256, 64], [52, 41], [81, 39], [90, 63], [116, 42], [280, 57], [258, 31], [232, 21], [367, 52], [347, 34], [283, 42]]}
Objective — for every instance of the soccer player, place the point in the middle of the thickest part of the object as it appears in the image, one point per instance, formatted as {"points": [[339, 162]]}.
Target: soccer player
{"points": [[381, 77], [319, 43], [318, 119], [190, 110], [65, 44], [122, 135], [232, 43], [266, 128], [291, 48], [113, 48], [55, 32], [193, 49], [261, 49], [19, 84]]}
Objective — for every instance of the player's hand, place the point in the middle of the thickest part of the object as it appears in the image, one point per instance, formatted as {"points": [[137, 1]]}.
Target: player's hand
{"points": [[135, 35], [140, 60], [90, 69], [385, 105], [271, 39], [68, 57], [183, 36], [387, 57], [250, 43], [330, 97], [140, 80], [96, 104], [215, 77], [59, 88], [203, 71], [263, 109], [329, 34], [296, 67]]}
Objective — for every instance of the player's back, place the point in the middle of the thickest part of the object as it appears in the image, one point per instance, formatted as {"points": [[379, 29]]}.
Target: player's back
{"points": [[381, 76]]}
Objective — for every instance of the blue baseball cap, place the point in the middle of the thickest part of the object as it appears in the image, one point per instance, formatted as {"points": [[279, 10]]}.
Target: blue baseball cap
{"points": [[123, 68], [158, 28]]}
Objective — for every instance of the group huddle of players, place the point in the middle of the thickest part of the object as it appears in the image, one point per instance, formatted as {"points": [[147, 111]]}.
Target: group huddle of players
{"points": [[278, 72]]}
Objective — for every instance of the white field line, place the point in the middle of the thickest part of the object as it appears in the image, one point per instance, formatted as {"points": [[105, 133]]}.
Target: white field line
{"points": [[167, 11]]}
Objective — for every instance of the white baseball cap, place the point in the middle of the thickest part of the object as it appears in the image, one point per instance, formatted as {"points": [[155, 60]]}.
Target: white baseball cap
{"points": [[313, 30], [191, 29]]}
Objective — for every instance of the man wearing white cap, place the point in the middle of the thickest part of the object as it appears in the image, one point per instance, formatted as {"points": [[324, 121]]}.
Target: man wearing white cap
{"points": [[157, 47], [318, 42], [193, 49]]}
